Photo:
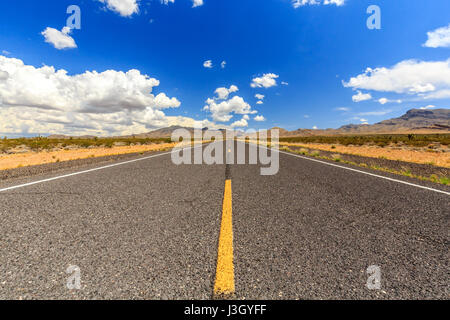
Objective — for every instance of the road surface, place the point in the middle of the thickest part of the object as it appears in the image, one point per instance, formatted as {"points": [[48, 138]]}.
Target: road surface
{"points": [[149, 229]]}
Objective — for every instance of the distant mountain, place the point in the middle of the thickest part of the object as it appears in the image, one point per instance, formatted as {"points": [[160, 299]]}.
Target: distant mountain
{"points": [[160, 133], [413, 121], [165, 132]]}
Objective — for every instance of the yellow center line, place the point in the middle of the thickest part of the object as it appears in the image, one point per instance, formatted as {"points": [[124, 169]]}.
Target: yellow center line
{"points": [[224, 284]]}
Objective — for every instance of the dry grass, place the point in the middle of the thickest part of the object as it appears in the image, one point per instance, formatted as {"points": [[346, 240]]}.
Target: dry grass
{"points": [[11, 161], [441, 159]]}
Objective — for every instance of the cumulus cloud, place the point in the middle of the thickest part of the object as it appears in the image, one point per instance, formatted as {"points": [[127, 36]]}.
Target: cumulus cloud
{"points": [[223, 93], [125, 8], [383, 100], [343, 109], [438, 38], [259, 118], [425, 79], [361, 97], [441, 94], [299, 3], [259, 96], [3, 75], [223, 111], [240, 123], [259, 102], [284, 83], [208, 64], [59, 39], [223, 64], [197, 3], [46, 100], [266, 81]]}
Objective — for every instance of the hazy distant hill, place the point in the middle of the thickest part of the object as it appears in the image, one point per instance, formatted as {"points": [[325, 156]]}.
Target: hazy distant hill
{"points": [[413, 121]]}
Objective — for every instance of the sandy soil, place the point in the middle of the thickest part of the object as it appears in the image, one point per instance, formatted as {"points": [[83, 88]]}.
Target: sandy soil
{"points": [[11, 161], [441, 159]]}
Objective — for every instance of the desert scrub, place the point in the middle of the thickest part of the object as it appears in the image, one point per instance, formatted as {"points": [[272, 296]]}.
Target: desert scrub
{"points": [[417, 140], [43, 143], [336, 157]]}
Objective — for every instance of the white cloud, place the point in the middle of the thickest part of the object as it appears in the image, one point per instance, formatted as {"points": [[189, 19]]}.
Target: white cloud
{"points": [[6, 53], [45, 100], [208, 64], [438, 38], [336, 2], [223, 64], [126, 8], [314, 127], [374, 113], [197, 3], [3, 75], [427, 107], [259, 118], [342, 109], [425, 79], [222, 112], [441, 94], [284, 83], [361, 97], [385, 100], [223, 93], [260, 98], [240, 123], [364, 121], [266, 81], [299, 3], [166, 2], [59, 39]]}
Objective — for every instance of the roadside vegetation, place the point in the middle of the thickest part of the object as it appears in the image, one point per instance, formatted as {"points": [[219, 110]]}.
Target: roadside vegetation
{"points": [[337, 158], [44, 144], [381, 140]]}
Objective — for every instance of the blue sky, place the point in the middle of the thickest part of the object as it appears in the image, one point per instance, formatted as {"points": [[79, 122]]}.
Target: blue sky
{"points": [[309, 61]]}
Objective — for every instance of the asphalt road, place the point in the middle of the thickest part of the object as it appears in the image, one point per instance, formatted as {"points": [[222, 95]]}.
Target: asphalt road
{"points": [[149, 229]]}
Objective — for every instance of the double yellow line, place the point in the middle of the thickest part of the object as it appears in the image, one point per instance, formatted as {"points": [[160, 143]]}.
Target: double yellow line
{"points": [[224, 284]]}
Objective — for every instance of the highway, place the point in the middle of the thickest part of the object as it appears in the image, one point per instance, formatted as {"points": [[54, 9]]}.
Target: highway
{"points": [[150, 229]]}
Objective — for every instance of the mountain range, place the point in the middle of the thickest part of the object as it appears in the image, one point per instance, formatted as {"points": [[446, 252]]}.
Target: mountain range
{"points": [[413, 121]]}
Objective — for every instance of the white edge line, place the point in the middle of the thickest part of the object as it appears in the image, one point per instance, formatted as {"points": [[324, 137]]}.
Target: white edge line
{"points": [[360, 171], [166, 153], [91, 170]]}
